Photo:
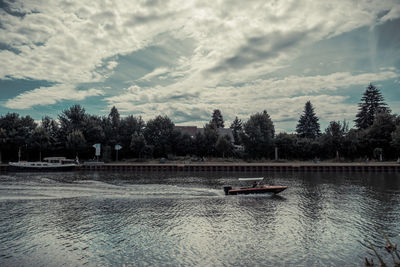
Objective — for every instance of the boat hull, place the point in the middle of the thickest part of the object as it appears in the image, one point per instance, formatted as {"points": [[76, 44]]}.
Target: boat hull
{"points": [[14, 168], [258, 190]]}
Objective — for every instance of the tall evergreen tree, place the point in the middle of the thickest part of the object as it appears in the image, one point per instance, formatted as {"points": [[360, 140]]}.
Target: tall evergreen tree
{"points": [[114, 117], [111, 126], [217, 119], [236, 127], [308, 126], [371, 103]]}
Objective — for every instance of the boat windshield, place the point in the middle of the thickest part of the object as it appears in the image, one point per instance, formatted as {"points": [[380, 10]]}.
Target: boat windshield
{"points": [[251, 179]]}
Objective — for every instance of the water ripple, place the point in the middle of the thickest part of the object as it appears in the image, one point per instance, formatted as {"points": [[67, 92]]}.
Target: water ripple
{"points": [[129, 219]]}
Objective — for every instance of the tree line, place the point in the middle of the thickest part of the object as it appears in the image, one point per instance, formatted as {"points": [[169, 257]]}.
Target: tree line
{"points": [[376, 135]]}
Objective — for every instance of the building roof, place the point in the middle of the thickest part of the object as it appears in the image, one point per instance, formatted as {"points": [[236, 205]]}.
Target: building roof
{"points": [[190, 130], [226, 131]]}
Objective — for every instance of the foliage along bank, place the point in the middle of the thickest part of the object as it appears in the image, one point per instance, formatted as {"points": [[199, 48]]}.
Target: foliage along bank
{"points": [[376, 135]]}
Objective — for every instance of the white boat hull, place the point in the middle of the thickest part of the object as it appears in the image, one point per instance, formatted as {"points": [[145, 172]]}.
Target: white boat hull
{"points": [[40, 166]]}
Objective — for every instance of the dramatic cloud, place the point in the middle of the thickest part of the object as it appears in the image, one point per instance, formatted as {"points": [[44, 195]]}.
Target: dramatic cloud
{"points": [[186, 58], [252, 97], [261, 49]]}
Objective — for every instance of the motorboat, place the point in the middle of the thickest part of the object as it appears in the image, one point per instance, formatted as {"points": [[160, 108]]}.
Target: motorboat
{"points": [[256, 188], [48, 164]]}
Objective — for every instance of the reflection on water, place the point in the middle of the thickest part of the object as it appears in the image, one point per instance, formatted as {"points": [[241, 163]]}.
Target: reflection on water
{"points": [[103, 219]]}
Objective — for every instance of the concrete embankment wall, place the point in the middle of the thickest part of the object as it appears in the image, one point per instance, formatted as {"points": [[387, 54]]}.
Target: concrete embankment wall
{"points": [[251, 167], [246, 167]]}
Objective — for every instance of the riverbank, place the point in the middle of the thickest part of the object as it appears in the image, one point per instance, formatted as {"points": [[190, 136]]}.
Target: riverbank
{"points": [[240, 167], [248, 167]]}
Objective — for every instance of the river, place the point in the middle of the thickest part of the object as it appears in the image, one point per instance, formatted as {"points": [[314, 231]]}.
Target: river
{"points": [[184, 219]]}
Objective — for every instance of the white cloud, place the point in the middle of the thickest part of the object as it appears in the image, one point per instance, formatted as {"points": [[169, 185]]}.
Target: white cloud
{"points": [[234, 42], [49, 95], [112, 64], [155, 73], [283, 98], [293, 85], [66, 41], [394, 13]]}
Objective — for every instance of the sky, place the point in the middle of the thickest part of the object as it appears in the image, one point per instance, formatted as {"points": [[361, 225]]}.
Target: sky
{"points": [[184, 59]]}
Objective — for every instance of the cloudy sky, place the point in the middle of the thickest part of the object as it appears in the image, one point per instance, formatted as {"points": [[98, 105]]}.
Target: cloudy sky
{"points": [[186, 58]]}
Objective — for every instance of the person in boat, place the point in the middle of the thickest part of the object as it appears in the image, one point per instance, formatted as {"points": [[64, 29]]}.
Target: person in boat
{"points": [[254, 184]]}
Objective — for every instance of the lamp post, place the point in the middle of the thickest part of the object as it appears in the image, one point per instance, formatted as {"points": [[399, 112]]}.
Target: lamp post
{"points": [[117, 147]]}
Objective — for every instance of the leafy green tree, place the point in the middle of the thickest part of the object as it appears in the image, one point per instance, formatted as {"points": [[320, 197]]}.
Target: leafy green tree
{"points": [[258, 134], [199, 145], [40, 139], [371, 103], [308, 125], [27, 126], [158, 133], [138, 145], [76, 141], [224, 146], [378, 153], [181, 144], [287, 145], [107, 128], [9, 133], [53, 129], [396, 140], [379, 135], [308, 148], [184, 145], [396, 119], [93, 130], [351, 147], [72, 119], [3, 141], [129, 126], [217, 119], [333, 138], [237, 127], [18, 132], [210, 139]]}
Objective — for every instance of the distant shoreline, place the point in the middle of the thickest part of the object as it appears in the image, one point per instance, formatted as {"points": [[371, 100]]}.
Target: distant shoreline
{"points": [[208, 166], [227, 163]]}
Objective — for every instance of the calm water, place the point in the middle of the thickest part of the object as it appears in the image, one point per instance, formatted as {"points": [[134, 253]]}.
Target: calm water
{"points": [[104, 219]]}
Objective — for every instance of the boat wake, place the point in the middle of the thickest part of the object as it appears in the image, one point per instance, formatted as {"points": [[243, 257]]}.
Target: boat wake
{"points": [[45, 188]]}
